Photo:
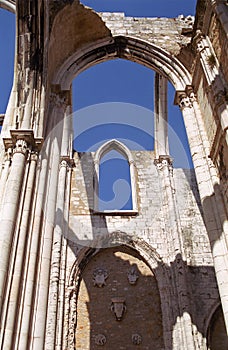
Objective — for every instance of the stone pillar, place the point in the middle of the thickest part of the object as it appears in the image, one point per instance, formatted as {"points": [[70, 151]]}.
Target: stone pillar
{"points": [[5, 173], [58, 108], [10, 332], [161, 115], [31, 267], [50, 339], [182, 331], [10, 209], [208, 184]]}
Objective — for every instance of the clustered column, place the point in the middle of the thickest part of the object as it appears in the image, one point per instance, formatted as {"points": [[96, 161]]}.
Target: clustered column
{"points": [[10, 208], [182, 333], [208, 183]]}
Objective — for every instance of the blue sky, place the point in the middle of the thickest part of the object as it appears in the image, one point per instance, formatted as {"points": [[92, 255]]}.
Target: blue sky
{"points": [[117, 81]]}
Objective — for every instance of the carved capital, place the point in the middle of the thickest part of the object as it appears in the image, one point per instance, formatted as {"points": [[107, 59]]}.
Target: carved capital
{"points": [[34, 156], [184, 102], [67, 162], [19, 138], [20, 147], [164, 161]]}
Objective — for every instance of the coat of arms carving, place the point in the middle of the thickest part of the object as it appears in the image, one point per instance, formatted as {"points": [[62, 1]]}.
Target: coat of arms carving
{"points": [[99, 276]]}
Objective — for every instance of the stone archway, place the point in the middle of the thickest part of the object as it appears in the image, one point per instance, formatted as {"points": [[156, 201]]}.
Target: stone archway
{"points": [[118, 303], [128, 254]]}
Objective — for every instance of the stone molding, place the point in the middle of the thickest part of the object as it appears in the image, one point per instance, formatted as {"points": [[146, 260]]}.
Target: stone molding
{"points": [[22, 140]]}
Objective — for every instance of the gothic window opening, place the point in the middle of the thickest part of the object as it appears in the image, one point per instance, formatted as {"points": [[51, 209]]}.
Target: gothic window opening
{"points": [[114, 182], [114, 179]]}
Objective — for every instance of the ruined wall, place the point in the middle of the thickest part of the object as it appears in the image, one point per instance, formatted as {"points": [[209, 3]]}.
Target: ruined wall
{"points": [[169, 33], [150, 225], [140, 322]]}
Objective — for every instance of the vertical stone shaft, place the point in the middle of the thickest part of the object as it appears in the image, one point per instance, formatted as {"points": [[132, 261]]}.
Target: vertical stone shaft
{"points": [[183, 331], [62, 277], [161, 115], [214, 222], [56, 257], [12, 316], [4, 176], [31, 263], [10, 210], [44, 265]]}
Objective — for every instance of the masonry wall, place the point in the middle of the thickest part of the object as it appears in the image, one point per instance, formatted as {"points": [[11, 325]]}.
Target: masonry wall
{"points": [[149, 224]]}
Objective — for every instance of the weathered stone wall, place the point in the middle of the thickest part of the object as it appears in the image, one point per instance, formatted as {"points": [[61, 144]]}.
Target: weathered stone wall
{"points": [[148, 225], [172, 34], [141, 298]]}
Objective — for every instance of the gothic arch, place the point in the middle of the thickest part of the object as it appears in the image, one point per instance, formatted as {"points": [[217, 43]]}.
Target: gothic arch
{"points": [[9, 5], [125, 47], [118, 238], [122, 149]]}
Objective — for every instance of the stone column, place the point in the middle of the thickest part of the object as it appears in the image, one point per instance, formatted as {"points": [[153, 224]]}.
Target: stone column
{"points": [[52, 320], [208, 183], [161, 115], [34, 243], [5, 173], [43, 268], [17, 278], [182, 330], [10, 209]]}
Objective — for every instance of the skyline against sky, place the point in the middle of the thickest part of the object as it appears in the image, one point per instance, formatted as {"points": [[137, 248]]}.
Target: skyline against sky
{"points": [[118, 94], [112, 81]]}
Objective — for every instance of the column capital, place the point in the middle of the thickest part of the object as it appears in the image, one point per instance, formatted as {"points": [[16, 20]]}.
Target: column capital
{"points": [[185, 98], [66, 162], [24, 136], [164, 161], [21, 146], [183, 101]]}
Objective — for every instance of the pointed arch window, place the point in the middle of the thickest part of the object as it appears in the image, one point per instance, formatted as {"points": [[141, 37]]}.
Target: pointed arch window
{"points": [[114, 180]]}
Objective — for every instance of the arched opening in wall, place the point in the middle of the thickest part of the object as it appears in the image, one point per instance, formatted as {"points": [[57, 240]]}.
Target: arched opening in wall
{"points": [[7, 51], [114, 182], [217, 335], [115, 99], [118, 303]]}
